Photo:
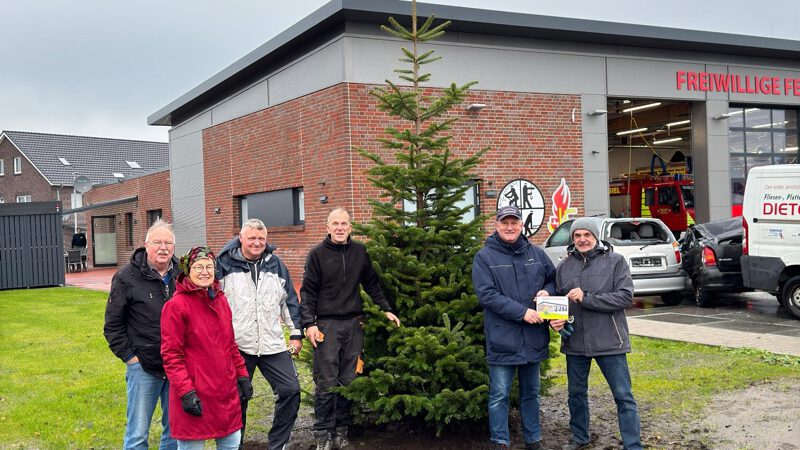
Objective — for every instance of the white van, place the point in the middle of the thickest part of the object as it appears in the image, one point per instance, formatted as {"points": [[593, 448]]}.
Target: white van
{"points": [[771, 245]]}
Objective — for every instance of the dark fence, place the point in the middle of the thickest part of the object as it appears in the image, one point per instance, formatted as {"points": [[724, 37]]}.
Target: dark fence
{"points": [[31, 245]]}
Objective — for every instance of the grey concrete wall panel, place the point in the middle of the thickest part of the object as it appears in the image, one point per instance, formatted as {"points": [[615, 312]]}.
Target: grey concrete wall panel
{"points": [[700, 123], [764, 98], [648, 79], [186, 151], [595, 155], [318, 70], [494, 69], [249, 101], [187, 182], [714, 95], [187, 188], [597, 199], [197, 123]]}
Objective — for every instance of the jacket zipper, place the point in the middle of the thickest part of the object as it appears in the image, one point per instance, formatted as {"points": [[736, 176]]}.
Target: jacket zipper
{"points": [[619, 335]]}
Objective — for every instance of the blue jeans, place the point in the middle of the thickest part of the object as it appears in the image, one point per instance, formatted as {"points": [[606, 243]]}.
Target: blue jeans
{"points": [[615, 371], [500, 380], [229, 442], [144, 391]]}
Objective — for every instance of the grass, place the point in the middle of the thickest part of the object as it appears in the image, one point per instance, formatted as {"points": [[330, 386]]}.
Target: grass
{"points": [[62, 388]]}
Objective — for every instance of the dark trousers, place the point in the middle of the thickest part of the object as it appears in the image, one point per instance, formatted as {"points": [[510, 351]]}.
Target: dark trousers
{"points": [[335, 361], [281, 374]]}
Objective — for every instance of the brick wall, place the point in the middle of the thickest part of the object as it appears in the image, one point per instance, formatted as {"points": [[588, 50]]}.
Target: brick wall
{"points": [[308, 143], [154, 193]]}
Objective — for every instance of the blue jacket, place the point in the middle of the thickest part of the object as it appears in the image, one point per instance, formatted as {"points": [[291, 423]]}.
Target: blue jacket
{"points": [[506, 278]]}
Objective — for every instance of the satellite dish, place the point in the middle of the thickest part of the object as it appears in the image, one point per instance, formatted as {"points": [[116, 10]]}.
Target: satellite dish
{"points": [[82, 184]]}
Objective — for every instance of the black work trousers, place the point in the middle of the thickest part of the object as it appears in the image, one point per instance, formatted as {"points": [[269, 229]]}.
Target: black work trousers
{"points": [[281, 375], [335, 361]]}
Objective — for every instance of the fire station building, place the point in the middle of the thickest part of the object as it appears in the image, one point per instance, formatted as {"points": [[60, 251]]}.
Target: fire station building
{"points": [[569, 107]]}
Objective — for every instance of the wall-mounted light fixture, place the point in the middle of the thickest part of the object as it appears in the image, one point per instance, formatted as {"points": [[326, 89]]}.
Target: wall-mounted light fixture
{"points": [[217, 210], [722, 116], [323, 199], [475, 106], [597, 112]]}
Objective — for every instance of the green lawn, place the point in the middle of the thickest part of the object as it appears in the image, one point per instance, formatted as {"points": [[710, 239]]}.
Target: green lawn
{"points": [[61, 388]]}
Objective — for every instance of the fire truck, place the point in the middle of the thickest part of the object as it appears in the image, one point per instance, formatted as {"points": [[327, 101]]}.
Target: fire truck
{"points": [[669, 197]]}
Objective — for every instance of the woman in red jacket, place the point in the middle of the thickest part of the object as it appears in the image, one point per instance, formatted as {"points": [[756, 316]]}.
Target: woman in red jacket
{"points": [[207, 374]]}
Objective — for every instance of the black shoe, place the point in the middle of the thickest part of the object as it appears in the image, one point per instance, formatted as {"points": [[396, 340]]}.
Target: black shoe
{"points": [[534, 446], [574, 445]]}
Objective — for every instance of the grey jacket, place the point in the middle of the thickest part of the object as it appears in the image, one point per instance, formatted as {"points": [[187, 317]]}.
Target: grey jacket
{"points": [[600, 324]]}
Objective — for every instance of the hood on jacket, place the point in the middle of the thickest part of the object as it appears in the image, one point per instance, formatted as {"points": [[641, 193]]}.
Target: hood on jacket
{"points": [[500, 245]]}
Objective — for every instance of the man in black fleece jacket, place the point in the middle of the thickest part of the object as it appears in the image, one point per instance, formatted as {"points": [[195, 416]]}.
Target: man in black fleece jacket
{"points": [[333, 317]]}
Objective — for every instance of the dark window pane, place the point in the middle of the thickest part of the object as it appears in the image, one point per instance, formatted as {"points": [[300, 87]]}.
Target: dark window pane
{"points": [[275, 209], [737, 192]]}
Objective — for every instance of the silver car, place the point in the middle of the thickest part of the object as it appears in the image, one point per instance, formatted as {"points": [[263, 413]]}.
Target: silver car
{"points": [[648, 246]]}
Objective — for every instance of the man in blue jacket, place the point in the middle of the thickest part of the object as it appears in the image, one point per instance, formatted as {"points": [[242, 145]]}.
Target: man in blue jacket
{"points": [[508, 274]]}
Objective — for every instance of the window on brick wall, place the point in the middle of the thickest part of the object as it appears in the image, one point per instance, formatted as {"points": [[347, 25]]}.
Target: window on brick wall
{"points": [[24, 198], [129, 229], [17, 165], [275, 208], [153, 215], [2, 200], [2, 167], [471, 198]]}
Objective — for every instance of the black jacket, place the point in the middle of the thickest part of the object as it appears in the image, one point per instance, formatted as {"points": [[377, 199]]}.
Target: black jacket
{"points": [[133, 312], [331, 281]]}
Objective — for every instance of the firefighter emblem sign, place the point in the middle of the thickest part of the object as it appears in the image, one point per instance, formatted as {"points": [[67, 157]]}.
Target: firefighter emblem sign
{"points": [[528, 198]]}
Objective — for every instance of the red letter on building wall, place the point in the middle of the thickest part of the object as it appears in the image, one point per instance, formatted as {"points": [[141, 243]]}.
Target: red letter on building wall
{"points": [[680, 78]]}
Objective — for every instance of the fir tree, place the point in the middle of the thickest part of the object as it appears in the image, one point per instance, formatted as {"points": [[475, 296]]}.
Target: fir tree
{"points": [[432, 370]]}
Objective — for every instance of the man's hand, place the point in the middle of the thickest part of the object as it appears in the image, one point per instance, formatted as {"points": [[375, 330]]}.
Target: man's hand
{"points": [[296, 345], [576, 295], [392, 318], [314, 335], [542, 292], [531, 316], [557, 325]]}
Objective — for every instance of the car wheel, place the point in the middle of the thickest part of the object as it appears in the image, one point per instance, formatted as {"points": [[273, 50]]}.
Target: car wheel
{"points": [[791, 296], [672, 298], [702, 297]]}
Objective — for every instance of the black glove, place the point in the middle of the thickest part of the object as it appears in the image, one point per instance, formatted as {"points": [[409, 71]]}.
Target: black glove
{"points": [[191, 404], [245, 388], [566, 332]]}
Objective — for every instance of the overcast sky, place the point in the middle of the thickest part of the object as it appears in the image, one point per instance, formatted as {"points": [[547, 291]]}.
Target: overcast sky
{"points": [[100, 67]]}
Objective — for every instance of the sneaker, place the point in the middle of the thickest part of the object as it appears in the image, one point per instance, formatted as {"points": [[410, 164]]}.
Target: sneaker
{"points": [[534, 446], [574, 445]]}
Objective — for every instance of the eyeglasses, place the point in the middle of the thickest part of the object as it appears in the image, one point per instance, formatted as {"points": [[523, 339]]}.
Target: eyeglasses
{"points": [[201, 269], [158, 244]]}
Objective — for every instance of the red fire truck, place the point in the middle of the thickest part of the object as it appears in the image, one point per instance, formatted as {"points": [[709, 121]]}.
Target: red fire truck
{"points": [[669, 198]]}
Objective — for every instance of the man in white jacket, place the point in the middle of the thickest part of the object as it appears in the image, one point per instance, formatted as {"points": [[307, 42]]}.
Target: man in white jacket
{"points": [[261, 295]]}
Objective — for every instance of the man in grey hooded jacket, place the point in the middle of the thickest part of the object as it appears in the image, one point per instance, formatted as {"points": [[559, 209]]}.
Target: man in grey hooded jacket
{"points": [[598, 283]]}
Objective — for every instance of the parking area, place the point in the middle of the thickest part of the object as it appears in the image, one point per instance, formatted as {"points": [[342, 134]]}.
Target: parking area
{"points": [[753, 319]]}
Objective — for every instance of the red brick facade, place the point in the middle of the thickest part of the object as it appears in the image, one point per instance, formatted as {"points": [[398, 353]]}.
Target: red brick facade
{"points": [[153, 193], [308, 142]]}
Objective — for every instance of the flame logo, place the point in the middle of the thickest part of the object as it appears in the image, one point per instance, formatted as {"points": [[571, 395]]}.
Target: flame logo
{"points": [[561, 206]]}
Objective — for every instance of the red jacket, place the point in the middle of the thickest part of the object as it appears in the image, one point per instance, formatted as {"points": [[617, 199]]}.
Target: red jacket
{"points": [[200, 354]]}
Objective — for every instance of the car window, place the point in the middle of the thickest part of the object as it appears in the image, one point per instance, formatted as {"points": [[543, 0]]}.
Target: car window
{"points": [[688, 196], [561, 237], [637, 232], [649, 196], [668, 196]]}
